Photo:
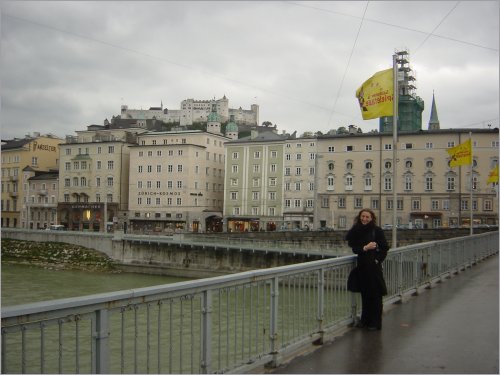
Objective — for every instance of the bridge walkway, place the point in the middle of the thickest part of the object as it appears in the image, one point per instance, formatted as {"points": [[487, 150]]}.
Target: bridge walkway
{"points": [[451, 328]]}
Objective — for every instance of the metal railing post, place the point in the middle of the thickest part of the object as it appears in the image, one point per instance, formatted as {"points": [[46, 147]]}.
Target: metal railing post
{"points": [[206, 332], [100, 358], [273, 329], [321, 303]]}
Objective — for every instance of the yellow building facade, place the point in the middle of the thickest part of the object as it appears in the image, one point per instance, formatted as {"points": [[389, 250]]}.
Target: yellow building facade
{"points": [[40, 153]]}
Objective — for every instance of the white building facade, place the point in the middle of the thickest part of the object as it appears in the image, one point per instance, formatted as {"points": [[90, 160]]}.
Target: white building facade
{"points": [[323, 182], [177, 182]]}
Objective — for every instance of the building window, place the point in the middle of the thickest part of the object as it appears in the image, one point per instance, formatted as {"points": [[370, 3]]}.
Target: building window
{"points": [[429, 145], [235, 155], [408, 183], [368, 165], [272, 181], [297, 203], [272, 195], [234, 195], [428, 183], [331, 166], [388, 183], [330, 183], [274, 154], [389, 204], [298, 171], [331, 149], [256, 155], [464, 204], [388, 165], [111, 149], [415, 204], [368, 183], [358, 202], [341, 202], [255, 195], [288, 171], [273, 167], [298, 186], [298, 157], [375, 204], [450, 183], [256, 168], [429, 163], [111, 164], [348, 183], [434, 205], [110, 181], [388, 146], [488, 205], [67, 166]]}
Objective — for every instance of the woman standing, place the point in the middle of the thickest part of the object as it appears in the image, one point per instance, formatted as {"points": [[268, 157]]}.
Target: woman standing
{"points": [[368, 241]]}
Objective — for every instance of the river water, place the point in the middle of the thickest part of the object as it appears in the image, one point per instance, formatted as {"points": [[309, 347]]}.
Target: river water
{"points": [[26, 284]]}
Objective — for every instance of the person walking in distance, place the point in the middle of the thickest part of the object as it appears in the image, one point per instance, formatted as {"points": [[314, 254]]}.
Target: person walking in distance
{"points": [[368, 241]]}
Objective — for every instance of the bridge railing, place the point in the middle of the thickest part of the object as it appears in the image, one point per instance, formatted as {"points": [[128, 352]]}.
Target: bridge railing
{"points": [[230, 323]]}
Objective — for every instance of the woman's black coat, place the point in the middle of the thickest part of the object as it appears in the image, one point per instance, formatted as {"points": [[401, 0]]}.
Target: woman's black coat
{"points": [[369, 262]]}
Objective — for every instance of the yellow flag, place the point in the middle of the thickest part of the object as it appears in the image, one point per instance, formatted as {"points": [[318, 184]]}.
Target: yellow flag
{"points": [[461, 154], [493, 176], [375, 96]]}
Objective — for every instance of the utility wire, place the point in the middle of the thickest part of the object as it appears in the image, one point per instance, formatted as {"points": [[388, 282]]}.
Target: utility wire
{"points": [[439, 24], [348, 64], [394, 25]]}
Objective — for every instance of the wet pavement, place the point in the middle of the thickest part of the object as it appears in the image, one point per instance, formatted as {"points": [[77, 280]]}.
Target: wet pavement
{"points": [[451, 328]]}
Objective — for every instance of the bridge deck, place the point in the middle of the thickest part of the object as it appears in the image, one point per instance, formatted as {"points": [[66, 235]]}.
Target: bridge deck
{"points": [[452, 328]]}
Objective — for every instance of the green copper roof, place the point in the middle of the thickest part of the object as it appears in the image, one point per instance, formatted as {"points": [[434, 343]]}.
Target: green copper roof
{"points": [[213, 117], [231, 127]]}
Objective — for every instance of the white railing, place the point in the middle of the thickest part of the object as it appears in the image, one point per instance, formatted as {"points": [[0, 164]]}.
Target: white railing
{"points": [[230, 323]]}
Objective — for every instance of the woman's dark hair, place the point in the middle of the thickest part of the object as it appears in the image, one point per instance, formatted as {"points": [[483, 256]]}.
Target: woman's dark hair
{"points": [[357, 220]]}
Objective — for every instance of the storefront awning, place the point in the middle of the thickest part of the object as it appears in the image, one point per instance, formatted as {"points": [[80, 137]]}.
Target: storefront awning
{"points": [[430, 214]]}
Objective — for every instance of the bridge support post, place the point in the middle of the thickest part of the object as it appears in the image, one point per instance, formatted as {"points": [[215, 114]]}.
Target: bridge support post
{"points": [[206, 332], [100, 360]]}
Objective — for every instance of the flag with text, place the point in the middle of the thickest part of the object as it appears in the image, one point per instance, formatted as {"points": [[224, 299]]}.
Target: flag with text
{"points": [[376, 95]]}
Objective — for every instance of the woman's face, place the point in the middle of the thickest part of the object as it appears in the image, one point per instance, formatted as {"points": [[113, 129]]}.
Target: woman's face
{"points": [[365, 217]]}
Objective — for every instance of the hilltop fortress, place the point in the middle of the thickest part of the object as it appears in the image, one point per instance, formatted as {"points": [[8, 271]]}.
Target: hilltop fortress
{"points": [[193, 111]]}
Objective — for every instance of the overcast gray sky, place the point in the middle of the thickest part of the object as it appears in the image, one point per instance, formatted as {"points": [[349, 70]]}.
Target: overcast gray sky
{"points": [[66, 65]]}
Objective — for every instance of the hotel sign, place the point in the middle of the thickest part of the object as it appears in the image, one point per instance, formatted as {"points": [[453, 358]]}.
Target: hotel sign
{"points": [[42, 147]]}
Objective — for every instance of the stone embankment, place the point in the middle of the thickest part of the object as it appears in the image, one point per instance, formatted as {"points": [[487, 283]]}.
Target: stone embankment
{"points": [[56, 255]]}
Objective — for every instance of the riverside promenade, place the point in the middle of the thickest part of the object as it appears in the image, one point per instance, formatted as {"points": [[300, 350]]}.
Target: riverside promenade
{"points": [[450, 329]]}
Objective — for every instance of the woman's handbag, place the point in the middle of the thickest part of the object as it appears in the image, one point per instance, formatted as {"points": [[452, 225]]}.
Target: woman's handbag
{"points": [[353, 281]]}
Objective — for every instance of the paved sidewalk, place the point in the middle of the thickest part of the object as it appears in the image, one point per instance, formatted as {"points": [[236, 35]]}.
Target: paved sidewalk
{"points": [[451, 328]]}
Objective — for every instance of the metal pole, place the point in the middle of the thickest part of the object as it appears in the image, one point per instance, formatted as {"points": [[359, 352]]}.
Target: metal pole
{"points": [[471, 230], [394, 149]]}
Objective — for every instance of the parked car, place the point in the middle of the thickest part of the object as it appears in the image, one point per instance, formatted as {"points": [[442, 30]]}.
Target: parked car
{"points": [[56, 227]]}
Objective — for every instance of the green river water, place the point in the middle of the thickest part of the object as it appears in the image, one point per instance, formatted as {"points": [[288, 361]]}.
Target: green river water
{"points": [[26, 284]]}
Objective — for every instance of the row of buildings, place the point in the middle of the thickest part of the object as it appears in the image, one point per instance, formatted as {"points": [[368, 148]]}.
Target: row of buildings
{"points": [[207, 181], [129, 175]]}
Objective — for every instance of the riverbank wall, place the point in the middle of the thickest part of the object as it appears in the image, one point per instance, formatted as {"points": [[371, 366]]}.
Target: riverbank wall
{"points": [[200, 255]]}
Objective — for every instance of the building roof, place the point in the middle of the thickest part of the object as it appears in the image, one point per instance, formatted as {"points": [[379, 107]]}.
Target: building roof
{"points": [[45, 176], [16, 143]]}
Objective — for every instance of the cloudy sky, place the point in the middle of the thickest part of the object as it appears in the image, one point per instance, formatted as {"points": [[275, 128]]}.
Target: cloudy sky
{"points": [[66, 65]]}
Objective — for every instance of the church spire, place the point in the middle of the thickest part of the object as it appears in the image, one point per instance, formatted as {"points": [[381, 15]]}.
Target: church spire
{"points": [[433, 121]]}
